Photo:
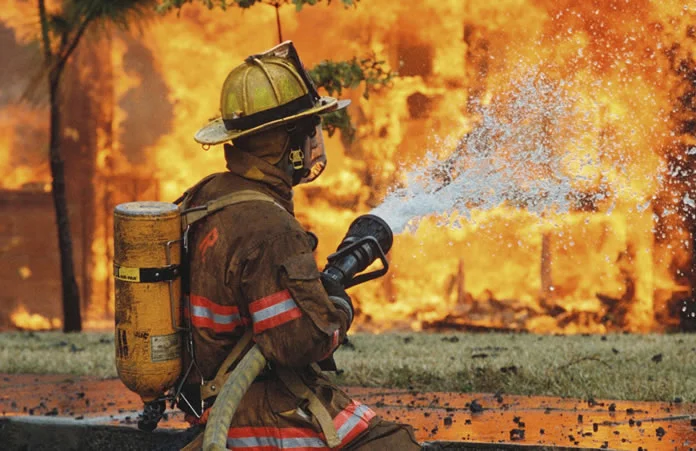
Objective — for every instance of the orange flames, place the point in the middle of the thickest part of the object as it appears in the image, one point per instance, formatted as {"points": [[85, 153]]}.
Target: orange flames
{"points": [[23, 320], [608, 264]]}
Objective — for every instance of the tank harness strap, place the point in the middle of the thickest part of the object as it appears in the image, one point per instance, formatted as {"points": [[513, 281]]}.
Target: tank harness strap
{"points": [[298, 388], [192, 215], [185, 199], [213, 386]]}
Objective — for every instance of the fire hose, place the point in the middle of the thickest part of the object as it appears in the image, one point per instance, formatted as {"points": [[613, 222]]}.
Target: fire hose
{"points": [[368, 238]]}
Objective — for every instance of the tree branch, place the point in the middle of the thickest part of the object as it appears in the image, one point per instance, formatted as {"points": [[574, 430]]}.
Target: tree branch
{"points": [[63, 57], [44, 32], [280, 30]]}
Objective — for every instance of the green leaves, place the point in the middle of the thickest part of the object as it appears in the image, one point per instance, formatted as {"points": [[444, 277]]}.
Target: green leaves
{"points": [[58, 24], [334, 76], [61, 32], [122, 13], [339, 120], [167, 5], [300, 3]]}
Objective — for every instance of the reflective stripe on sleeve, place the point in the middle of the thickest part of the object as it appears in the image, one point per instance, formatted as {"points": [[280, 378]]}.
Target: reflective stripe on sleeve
{"points": [[352, 421], [270, 438], [273, 311], [334, 344], [219, 318]]}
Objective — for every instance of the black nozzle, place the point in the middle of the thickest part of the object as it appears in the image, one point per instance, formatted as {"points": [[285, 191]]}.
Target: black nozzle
{"points": [[368, 238], [369, 226]]}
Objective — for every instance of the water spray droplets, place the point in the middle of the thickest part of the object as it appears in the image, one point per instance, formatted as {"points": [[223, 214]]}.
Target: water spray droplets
{"points": [[516, 155]]}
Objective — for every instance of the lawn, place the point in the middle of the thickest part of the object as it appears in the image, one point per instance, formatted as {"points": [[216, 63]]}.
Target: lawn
{"points": [[625, 367]]}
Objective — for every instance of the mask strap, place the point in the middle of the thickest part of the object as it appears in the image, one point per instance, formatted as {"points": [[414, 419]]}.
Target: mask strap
{"points": [[296, 155]]}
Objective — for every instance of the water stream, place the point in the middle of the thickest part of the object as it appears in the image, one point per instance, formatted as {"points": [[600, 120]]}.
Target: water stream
{"points": [[517, 154]]}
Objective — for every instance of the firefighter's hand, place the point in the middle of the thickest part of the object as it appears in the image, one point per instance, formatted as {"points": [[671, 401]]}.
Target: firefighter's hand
{"points": [[337, 295]]}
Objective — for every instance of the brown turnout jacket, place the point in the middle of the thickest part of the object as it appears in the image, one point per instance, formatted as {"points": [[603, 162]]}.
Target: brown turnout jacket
{"points": [[252, 267]]}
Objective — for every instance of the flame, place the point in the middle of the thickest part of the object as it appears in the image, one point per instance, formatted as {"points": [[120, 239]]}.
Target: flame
{"points": [[24, 272], [23, 320], [20, 170], [611, 263]]}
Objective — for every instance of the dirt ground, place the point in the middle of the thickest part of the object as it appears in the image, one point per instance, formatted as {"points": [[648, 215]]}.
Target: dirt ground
{"points": [[488, 418]]}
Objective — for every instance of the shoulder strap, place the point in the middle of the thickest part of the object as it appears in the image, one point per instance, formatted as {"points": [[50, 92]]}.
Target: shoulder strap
{"points": [[298, 388], [212, 387], [185, 199], [192, 215]]}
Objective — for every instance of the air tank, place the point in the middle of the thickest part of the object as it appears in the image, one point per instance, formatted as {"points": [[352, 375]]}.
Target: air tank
{"points": [[147, 258]]}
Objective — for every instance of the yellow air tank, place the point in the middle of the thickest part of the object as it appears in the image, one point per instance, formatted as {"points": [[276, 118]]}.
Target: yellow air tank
{"points": [[147, 255]]}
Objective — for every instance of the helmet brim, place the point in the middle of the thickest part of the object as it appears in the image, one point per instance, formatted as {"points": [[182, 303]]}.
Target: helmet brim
{"points": [[216, 133]]}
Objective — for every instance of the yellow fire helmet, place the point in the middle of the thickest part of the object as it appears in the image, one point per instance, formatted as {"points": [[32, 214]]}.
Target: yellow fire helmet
{"points": [[267, 90]]}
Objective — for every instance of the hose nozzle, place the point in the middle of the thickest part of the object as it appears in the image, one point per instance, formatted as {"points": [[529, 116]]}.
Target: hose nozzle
{"points": [[368, 238]]}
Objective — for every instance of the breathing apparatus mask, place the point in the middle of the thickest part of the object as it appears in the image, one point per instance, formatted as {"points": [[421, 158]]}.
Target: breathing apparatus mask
{"points": [[307, 153]]}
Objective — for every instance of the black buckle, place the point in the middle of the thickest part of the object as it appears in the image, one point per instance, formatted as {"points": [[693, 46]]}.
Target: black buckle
{"points": [[147, 275]]}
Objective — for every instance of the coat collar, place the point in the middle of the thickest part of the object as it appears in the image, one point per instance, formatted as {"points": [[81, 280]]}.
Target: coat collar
{"points": [[261, 175]]}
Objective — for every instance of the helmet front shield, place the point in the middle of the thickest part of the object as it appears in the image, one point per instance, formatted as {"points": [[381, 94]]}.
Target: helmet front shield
{"points": [[287, 51]]}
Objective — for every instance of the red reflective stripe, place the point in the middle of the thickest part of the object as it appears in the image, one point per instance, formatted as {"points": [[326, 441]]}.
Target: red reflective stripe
{"points": [[210, 324], [346, 413], [274, 438], [334, 340], [361, 425], [200, 301], [275, 448], [262, 431], [272, 299], [334, 344], [265, 307], [258, 435], [277, 320], [209, 311]]}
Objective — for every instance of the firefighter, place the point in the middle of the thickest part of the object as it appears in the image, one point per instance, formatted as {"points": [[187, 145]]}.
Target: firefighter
{"points": [[253, 274]]}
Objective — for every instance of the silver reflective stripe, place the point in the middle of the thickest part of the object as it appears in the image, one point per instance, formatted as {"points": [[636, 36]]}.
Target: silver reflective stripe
{"points": [[276, 442], [274, 310], [352, 421], [203, 312]]}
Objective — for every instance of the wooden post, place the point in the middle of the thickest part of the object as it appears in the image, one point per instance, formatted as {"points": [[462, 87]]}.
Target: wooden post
{"points": [[461, 286], [546, 294]]}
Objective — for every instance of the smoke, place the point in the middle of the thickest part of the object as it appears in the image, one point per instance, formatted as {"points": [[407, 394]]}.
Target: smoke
{"points": [[149, 111], [517, 154]]}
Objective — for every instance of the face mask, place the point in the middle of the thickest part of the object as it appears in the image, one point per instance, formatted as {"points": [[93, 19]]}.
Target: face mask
{"points": [[314, 156]]}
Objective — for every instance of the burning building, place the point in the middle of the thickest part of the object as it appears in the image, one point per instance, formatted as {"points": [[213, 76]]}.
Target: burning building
{"points": [[617, 256]]}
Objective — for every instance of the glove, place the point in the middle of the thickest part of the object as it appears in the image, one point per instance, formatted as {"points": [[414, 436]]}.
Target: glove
{"points": [[337, 295]]}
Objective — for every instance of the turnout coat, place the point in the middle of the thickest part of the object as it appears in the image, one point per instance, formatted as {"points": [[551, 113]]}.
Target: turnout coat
{"points": [[252, 268]]}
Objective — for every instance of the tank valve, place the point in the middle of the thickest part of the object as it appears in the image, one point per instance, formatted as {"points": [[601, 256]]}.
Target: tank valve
{"points": [[152, 414]]}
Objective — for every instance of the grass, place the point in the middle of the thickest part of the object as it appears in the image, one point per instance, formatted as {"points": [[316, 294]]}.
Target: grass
{"points": [[85, 354], [623, 367]]}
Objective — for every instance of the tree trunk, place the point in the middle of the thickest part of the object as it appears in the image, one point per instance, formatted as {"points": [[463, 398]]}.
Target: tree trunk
{"points": [[86, 102], [546, 295], [72, 319]]}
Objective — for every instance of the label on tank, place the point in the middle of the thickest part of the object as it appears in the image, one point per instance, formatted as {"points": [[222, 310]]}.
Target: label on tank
{"points": [[165, 347], [127, 274]]}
